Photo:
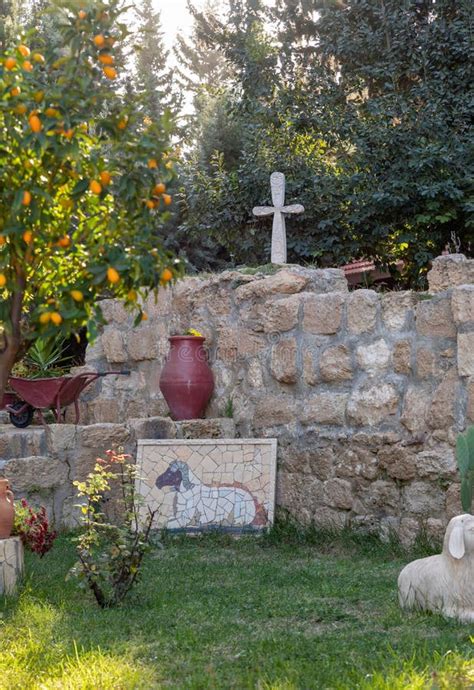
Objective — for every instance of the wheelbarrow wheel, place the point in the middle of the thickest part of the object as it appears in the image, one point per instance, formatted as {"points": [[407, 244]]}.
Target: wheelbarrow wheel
{"points": [[21, 421]]}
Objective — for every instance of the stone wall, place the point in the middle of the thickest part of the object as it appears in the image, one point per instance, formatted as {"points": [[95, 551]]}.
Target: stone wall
{"points": [[42, 464], [365, 391]]}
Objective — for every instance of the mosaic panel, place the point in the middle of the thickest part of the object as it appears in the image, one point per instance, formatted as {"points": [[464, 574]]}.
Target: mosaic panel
{"points": [[198, 485]]}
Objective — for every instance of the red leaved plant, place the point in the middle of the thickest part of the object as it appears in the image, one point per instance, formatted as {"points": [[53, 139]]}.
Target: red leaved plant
{"points": [[32, 526]]}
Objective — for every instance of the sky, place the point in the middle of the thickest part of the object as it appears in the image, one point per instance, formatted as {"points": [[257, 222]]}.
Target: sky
{"points": [[174, 17]]}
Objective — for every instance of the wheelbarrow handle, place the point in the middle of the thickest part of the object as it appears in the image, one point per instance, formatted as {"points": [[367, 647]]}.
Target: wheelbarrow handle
{"points": [[116, 373]]}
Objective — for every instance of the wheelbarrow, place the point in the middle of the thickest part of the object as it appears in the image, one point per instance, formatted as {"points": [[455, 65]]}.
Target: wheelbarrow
{"points": [[55, 394]]}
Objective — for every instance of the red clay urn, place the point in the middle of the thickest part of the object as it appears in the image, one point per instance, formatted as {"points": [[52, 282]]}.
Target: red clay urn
{"points": [[7, 509], [186, 380]]}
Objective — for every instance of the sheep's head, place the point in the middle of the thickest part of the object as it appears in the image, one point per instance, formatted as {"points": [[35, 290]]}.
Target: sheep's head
{"points": [[459, 537], [176, 474]]}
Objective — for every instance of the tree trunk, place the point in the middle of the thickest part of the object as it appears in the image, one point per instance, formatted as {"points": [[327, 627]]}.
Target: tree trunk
{"points": [[10, 341]]}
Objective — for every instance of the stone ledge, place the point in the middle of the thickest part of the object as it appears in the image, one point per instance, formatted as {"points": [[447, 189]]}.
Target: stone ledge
{"points": [[11, 564]]}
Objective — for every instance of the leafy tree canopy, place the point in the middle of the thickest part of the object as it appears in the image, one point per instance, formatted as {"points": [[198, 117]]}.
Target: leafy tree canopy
{"points": [[82, 183]]}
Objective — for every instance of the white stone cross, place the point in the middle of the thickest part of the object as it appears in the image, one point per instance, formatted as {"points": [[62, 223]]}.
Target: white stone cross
{"points": [[279, 210]]}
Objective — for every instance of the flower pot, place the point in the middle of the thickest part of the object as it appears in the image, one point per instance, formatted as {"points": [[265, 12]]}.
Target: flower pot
{"points": [[7, 509], [186, 380]]}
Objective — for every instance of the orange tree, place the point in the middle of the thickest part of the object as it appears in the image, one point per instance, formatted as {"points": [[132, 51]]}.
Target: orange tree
{"points": [[82, 184]]}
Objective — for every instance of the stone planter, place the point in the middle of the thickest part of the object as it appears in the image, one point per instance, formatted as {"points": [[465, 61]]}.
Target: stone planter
{"points": [[186, 380]]}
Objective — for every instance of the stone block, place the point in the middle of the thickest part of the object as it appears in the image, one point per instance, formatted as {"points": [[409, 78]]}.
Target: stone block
{"points": [[36, 472], [113, 342], [436, 463], [416, 404], [442, 409], [450, 270], [402, 357], [310, 374], [279, 315], [283, 361], [357, 462], [399, 462], [453, 501], [323, 313], [338, 494], [380, 497], [397, 308], [466, 354], [408, 531], [470, 401], [300, 494], [362, 311], [424, 499], [462, 304], [274, 410], [104, 411], [335, 364], [142, 343], [325, 408], [219, 427], [371, 405], [425, 363], [434, 318], [374, 358], [11, 564], [152, 427], [103, 436], [285, 282]]}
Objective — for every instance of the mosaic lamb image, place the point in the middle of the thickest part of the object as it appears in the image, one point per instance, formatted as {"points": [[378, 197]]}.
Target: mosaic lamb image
{"points": [[198, 505], [201, 486]]}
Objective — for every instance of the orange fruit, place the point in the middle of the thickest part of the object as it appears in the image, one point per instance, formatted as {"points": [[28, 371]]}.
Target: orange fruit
{"points": [[110, 72], [160, 188], [122, 123], [113, 275], [166, 275], [51, 112], [2, 241], [3, 280], [35, 123], [150, 203], [144, 316], [24, 50], [99, 40], [45, 318], [38, 96], [15, 91], [77, 295], [26, 201], [21, 109], [106, 59], [10, 63], [82, 14], [69, 133], [152, 163], [132, 296], [37, 57], [167, 199], [27, 66], [95, 187], [27, 236], [105, 177], [56, 318], [64, 241]]}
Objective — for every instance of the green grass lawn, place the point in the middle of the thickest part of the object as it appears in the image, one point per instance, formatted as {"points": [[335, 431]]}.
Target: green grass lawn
{"points": [[217, 613]]}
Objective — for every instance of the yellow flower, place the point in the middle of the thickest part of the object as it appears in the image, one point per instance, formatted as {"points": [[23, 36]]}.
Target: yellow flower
{"points": [[194, 332]]}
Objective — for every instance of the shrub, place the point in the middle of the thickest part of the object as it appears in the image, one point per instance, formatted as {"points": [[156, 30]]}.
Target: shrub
{"points": [[111, 554]]}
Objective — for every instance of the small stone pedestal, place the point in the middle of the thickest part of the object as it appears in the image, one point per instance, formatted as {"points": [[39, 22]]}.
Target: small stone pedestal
{"points": [[11, 564]]}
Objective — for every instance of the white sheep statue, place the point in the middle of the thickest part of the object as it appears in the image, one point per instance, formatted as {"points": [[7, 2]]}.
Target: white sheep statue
{"points": [[444, 583]]}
